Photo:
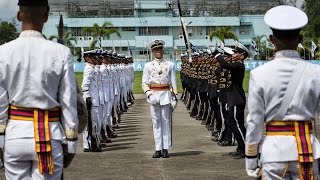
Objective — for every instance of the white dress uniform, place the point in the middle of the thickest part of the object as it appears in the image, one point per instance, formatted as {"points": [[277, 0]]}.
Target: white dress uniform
{"points": [[36, 73], [160, 72], [290, 148], [111, 93], [90, 89], [265, 96], [105, 85], [101, 98]]}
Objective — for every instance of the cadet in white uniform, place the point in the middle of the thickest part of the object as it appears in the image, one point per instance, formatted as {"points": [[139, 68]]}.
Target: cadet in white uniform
{"points": [[284, 95], [38, 98], [91, 96], [159, 84]]}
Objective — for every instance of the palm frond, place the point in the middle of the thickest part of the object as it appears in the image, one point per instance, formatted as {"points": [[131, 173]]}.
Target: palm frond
{"points": [[53, 37], [93, 43]]}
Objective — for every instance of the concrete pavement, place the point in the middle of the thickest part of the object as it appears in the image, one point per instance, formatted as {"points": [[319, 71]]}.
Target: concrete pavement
{"points": [[194, 155]]}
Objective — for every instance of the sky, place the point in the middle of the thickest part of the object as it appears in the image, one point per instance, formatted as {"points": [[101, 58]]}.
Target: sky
{"points": [[8, 9]]}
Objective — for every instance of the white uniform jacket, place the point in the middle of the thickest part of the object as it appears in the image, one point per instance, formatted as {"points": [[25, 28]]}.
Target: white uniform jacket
{"points": [[266, 90], [160, 72], [37, 73], [90, 84], [105, 83], [100, 80]]}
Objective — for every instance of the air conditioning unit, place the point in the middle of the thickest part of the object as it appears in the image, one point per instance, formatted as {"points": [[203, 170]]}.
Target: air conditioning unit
{"points": [[180, 36], [80, 38], [207, 37], [90, 38]]}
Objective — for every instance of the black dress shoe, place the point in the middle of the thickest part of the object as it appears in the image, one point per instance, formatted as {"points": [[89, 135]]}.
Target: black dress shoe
{"points": [[96, 149], [225, 143], [238, 154], [102, 145], [86, 150], [165, 153], [106, 140], [157, 154]]}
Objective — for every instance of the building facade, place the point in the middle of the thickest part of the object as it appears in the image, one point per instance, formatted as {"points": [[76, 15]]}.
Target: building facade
{"points": [[141, 21]]}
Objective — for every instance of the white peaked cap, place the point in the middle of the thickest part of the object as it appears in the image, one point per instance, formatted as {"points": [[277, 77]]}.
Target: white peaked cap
{"points": [[228, 50], [285, 18]]}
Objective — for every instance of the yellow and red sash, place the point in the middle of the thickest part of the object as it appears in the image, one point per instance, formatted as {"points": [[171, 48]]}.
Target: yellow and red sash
{"points": [[41, 119], [302, 131]]}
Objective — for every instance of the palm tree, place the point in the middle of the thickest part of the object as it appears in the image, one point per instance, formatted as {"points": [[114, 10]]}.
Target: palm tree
{"points": [[67, 39], [223, 33], [261, 45], [100, 32]]}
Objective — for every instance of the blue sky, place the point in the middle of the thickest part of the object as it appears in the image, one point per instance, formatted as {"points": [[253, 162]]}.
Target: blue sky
{"points": [[8, 9]]}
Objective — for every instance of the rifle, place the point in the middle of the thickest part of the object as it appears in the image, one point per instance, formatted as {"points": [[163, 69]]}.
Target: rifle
{"points": [[185, 33]]}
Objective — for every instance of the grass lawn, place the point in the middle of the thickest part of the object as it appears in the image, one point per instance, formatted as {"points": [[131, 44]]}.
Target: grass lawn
{"points": [[138, 78]]}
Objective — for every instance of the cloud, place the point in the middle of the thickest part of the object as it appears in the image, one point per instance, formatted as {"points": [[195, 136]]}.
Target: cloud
{"points": [[8, 9]]}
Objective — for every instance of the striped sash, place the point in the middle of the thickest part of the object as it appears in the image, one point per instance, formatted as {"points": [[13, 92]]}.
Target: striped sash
{"points": [[159, 87], [302, 131], [41, 119]]}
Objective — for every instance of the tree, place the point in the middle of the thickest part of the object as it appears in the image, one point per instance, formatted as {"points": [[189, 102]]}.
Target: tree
{"points": [[99, 33], [224, 33], [8, 32], [261, 45], [312, 31], [67, 39]]}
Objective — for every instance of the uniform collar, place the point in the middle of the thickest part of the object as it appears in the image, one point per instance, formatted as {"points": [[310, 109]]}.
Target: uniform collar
{"points": [[31, 33], [158, 60], [287, 54]]}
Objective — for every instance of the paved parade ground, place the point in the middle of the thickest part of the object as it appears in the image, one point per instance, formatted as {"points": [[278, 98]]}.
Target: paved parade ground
{"points": [[128, 157], [194, 155]]}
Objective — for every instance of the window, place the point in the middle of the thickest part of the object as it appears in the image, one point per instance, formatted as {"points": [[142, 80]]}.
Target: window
{"points": [[161, 10], [124, 48], [177, 31], [143, 52], [244, 30], [76, 31], [145, 10], [153, 31], [210, 29], [128, 29]]}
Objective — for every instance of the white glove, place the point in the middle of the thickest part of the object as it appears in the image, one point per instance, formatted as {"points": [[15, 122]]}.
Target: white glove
{"points": [[148, 93], [253, 173], [174, 105]]}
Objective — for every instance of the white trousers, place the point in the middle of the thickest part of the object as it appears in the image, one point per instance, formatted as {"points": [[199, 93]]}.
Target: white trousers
{"points": [[160, 115], [96, 126], [20, 160], [284, 170]]}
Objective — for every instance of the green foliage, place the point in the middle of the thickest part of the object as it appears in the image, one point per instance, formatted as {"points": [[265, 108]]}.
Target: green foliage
{"points": [[67, 39], [261, 45], [99, 33], [312, 31], [8, 32], [224, 33]]}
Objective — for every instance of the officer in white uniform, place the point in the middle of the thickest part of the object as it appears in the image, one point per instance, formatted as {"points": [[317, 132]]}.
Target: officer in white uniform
{"points": [[159, 85], [284, 96], [91, 96], [38, 96]]}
